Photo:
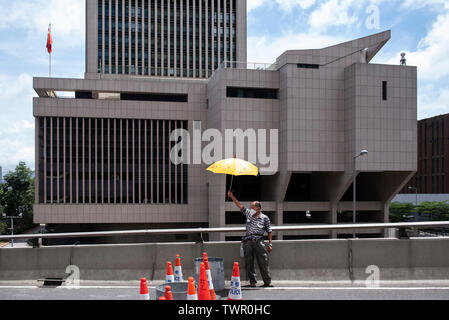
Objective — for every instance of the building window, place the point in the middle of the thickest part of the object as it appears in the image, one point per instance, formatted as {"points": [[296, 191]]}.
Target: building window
{"points": [[308, 66], [154, 97], [252, 93], [384, 90]]}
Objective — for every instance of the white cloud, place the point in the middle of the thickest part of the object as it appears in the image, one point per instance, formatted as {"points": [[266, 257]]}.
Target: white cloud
{"points": [[432, 101], [16, 121], [432, 61], [253, 4], [334, 13], [265, 50], [11, 88], [67, 19], [431, 56], [286, 5], [418, 4], [17, 144]]}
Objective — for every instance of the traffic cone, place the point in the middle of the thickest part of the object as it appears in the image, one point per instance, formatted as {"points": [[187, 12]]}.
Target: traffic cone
{"points": [[213, 296], [144, 293], [168, 293], [191, 291], [203, 287], [169, 277], [178, 269], [162, 298], [235, 293]]}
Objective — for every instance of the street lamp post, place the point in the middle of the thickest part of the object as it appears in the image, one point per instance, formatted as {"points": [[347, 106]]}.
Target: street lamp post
{"points": [[21, 210], [354, 181]]}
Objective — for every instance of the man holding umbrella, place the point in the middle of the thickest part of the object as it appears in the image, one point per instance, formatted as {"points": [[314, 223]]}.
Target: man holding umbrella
{"points": [[256, 225]]}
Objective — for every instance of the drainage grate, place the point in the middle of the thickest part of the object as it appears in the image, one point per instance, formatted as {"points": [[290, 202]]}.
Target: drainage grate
{"points": [[51, 282]]}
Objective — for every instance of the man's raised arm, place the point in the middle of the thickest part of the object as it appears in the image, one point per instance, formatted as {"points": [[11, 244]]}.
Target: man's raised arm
{"points": [[237, 203]]}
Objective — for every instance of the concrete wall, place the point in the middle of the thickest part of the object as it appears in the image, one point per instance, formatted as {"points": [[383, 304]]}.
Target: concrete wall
{"points": [[422, 259]]}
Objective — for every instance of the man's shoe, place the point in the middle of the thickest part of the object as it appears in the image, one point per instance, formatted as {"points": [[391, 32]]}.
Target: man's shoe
{"points": [[251, 285], [266, 285]]}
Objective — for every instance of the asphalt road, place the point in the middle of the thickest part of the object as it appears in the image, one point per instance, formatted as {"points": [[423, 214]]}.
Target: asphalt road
{"points": [[277, 293]]}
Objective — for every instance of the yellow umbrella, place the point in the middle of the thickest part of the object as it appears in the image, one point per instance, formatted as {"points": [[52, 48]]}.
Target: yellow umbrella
{"points": [[234, 167]]}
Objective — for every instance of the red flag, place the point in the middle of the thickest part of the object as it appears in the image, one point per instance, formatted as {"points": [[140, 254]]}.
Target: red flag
{"points": [[49, 40]]}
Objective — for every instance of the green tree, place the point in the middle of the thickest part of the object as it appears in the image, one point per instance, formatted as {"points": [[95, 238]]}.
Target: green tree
{"points": [[434, 211], [401, 212], [16, 191]]}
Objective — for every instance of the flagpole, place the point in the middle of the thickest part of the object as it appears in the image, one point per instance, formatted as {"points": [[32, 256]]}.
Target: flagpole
{"points": [[49, 43]]}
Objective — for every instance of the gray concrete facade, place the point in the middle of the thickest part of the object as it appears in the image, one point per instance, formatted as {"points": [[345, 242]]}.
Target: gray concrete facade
{"points": [[103, 157]]}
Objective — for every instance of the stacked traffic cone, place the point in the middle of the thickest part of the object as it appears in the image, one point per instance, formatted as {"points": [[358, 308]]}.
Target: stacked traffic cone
{"points": [[168, 293], [203, 287], [169, 277], [235, 293], [144, 293], [191, 291], [213, 296], [178, 269]]}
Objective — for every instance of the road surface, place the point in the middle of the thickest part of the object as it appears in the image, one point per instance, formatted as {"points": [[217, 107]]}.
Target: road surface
{"points": [[281, 291]]}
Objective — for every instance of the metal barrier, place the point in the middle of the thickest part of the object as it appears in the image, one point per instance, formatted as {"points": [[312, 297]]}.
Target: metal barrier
{"points": [[247, 65], [405, 225]]}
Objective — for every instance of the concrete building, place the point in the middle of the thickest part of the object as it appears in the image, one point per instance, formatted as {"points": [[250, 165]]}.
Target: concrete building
{"points": [[433, 160], [172, 38], [103, 158]]}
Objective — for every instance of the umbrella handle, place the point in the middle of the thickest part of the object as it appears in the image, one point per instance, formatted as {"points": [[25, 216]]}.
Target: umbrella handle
{"points": [[230, 188]]}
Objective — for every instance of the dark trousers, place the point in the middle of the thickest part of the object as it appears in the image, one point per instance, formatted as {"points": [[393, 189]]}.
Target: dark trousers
{"points": [[257, 249]]}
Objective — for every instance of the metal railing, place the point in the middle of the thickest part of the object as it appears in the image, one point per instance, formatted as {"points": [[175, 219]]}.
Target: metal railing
{"points": [[405, 225], [247, 65]]}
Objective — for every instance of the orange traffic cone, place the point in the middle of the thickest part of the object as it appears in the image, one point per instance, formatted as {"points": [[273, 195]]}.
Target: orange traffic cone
{"points": [[191, 291], [203, 287], [169, 277], [235, 293], [144, 293], [178, 269], [168, 293], [213, 296], [162, 298]]}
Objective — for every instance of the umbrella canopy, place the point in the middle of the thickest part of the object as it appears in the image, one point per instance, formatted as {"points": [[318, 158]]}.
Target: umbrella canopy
{"points": [[234, 167]]}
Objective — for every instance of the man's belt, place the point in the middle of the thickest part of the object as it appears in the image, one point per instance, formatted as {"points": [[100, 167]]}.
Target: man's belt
{"points": [[253, 238]]}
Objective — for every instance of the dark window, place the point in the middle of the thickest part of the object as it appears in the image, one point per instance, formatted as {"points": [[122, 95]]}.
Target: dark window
{"points": [[83, 95], [384, 90], [154, 97], [254, 93], [308, 66]]}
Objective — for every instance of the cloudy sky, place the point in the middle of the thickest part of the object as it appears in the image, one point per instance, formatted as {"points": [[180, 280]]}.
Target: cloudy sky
{"points": [[419, 28]]}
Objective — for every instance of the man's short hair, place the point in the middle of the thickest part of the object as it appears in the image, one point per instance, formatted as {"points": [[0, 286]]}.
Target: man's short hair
{"points": [[258, 204]]}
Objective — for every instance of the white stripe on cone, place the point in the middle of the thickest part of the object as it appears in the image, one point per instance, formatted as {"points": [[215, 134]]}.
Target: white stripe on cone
{"points": [[169, 278], [192, 297], [145, 296], [235, 293], [178, 274], [209, 280]]}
